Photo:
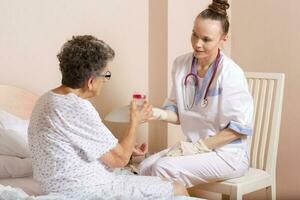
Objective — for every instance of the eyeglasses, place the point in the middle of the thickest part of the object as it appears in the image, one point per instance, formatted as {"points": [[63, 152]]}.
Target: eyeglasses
{"points": [[107, 75]]}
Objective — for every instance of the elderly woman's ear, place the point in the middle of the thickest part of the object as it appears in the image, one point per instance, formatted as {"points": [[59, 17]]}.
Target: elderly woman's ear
{"points": [[88, 85]]}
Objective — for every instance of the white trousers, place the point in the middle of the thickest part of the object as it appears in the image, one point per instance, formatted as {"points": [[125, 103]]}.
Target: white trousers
{"points": [[193, 169]]}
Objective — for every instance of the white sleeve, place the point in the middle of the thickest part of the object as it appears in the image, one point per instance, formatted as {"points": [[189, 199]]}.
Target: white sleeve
{"points": [[171, 102], [236, 105], [89, 136]]}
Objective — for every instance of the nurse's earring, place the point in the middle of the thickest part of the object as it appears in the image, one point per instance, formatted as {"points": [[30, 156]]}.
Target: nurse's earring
{"points": [[225, 38]]}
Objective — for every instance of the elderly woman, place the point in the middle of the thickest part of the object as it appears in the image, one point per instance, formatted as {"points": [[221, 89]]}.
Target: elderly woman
{"points": [[73, 151]]}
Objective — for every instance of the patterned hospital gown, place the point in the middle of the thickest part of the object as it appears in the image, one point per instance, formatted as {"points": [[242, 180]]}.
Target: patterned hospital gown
{"points": [[66, 139]]}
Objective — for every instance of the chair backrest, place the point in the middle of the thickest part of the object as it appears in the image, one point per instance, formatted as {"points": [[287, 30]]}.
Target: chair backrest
{"points": [[267, 91]]}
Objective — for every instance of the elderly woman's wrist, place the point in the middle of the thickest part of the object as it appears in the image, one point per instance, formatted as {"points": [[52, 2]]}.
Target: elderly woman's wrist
{"points": [[134, 123]]}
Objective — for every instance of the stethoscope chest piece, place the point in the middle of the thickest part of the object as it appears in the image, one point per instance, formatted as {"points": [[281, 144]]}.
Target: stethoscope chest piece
{"points": [[203, 103]]}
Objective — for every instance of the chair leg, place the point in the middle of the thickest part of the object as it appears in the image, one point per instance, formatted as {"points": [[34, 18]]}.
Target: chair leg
{"points": [[225, 197], [271, 192], [236, 196]]}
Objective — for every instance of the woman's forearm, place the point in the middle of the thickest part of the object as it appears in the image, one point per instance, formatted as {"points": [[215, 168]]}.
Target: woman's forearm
{"points": [[128, 142], [119, 156], [223, 137]]}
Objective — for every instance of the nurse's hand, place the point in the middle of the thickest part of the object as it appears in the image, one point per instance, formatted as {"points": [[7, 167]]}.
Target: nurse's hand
{"points": [[140, 150], [158, 114], [165, 115], [188, 148], [140, 114]]}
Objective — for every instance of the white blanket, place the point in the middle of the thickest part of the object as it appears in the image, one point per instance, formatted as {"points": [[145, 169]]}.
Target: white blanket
{"points": [[10, 193]]}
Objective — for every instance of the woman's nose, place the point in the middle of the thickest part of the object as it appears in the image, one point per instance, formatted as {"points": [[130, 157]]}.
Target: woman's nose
{"points": [[198, 43]]}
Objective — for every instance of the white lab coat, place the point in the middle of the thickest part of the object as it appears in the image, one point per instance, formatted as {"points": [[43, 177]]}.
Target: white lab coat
{"points": [[230, 105]]}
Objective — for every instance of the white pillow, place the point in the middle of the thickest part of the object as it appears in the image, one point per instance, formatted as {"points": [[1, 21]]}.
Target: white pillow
{"points": [[13, 143], [10, 121], [14, 167], [13, 135]]}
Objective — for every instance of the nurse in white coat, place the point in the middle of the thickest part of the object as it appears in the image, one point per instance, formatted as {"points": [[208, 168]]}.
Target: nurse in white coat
{"points": [[211, 102]]}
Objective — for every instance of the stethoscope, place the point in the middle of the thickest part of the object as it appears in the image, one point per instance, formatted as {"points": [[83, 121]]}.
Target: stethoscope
{"points": [[204, 101]]}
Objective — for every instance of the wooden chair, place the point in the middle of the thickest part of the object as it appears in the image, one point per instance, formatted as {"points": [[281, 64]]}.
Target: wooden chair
{"points": [[267, 90]]}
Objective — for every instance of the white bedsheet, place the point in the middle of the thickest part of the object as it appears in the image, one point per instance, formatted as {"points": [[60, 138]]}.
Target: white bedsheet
{"points": [[10, 189], [10, 193], [28, 184]]}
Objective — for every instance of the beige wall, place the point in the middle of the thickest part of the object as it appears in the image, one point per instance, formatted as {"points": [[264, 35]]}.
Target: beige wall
{"points": [[265, 37], [181, 15], [170, 26], [33, 31], [147, 36], [158, 70]]}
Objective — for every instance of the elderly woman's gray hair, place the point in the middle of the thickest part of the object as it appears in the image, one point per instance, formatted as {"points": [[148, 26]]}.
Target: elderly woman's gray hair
{"points": [[81, 58]]}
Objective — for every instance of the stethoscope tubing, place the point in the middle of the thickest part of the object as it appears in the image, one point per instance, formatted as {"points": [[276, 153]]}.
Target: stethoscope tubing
{"points": [[216, 63]]}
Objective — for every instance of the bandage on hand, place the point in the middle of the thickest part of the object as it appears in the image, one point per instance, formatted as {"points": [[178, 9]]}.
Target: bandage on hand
{"points": [[159, 114], [121, 114], [188, 148]]}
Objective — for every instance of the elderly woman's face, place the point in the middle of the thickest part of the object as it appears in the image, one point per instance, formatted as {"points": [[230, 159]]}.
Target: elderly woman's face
{"points": [[98, 81]]}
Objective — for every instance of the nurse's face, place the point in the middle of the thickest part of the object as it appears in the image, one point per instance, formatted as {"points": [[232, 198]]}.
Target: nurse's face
{"points": [[207, 37]]}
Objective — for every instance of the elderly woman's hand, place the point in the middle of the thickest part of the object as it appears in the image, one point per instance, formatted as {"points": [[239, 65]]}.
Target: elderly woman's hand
{"points": [[183, 148], [140, 150], [140, 114]]}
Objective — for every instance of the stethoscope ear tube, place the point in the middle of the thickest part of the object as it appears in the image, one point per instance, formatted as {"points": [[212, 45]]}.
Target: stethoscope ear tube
{"points": [[204, 101], [195, 78], [191, 74]]}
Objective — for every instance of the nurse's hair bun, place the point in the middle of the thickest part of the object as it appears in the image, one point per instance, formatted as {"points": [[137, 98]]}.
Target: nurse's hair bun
{"points": [[217, 11], [219, 6]]}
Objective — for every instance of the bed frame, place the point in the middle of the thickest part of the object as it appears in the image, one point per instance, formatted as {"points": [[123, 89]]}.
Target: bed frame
{"points": [[17, 101]]}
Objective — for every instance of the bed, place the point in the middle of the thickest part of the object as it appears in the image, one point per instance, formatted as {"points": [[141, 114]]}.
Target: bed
{"points": [[20, 102]]}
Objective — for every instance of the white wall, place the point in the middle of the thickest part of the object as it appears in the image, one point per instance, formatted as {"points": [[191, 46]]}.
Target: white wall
{"points": [[266, 38], [32, 32]]}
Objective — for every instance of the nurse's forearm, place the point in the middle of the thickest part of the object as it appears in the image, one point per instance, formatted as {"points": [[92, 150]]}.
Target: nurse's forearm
{"points": [[172, 117], [223, 137]]}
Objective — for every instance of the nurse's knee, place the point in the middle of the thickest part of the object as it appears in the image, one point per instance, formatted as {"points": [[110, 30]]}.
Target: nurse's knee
{"points": [[162, 168], [179, 189], [144, 169]]}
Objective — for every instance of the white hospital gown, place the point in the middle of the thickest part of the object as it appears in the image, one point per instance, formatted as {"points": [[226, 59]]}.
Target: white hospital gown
{"points": [[66, 139]]}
